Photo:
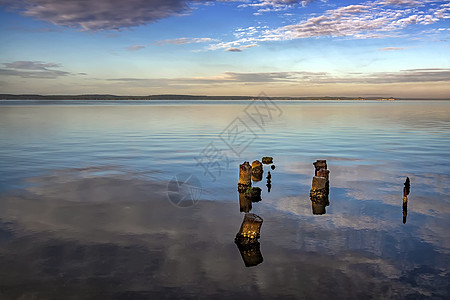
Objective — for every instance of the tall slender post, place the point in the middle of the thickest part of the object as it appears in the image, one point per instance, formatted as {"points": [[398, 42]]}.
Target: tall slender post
{"points": [[245, 177]]}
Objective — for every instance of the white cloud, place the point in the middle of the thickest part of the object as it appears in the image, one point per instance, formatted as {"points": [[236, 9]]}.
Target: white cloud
{"points": [[392, 48], [276, 5], [136, 47], [375, 19]]}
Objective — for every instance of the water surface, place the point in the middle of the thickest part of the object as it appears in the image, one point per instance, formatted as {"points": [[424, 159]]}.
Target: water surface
{"points": [[85, 211]]}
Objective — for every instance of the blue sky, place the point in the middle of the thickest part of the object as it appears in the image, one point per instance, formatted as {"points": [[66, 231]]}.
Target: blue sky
{"points": [[386, 48]]}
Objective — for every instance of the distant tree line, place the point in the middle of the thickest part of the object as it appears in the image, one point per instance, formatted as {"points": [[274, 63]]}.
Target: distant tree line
{"points": [[173, 97]]}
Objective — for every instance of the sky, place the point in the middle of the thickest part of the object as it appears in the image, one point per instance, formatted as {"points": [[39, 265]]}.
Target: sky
{"points": [[385, 48]]}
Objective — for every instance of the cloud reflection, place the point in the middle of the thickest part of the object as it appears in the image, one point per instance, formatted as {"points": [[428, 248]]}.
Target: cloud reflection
{"points": [[105, 232]]}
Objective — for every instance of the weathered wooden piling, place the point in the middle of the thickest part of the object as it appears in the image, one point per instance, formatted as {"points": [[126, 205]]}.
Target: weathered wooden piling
{"points": [[320, 164], [250, 229], [245, 176], [320, 187], [319, 183], [257, 166], [323, 173], [406, 190], [267, 160], [257, 171], [407, 187]]}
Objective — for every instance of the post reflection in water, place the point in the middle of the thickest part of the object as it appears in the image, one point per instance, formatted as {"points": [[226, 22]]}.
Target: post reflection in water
{"points": [[320, 188], [269, 182], [245, 204], [406, 189], [251, 254]]}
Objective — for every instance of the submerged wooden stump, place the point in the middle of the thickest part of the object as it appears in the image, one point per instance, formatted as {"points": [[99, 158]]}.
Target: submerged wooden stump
{"points": [[245, 177], [267, 160], [253, 194], [250, 229]]}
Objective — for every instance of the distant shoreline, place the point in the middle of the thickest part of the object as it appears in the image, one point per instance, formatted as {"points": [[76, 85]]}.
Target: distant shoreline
{"points": [[107, 97]]}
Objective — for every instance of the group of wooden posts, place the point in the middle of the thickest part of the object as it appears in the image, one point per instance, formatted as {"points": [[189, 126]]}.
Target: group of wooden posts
{"points": [[249, 232]]}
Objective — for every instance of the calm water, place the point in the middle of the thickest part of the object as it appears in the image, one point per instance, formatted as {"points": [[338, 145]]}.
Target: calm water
{"points": [[85, 211]]}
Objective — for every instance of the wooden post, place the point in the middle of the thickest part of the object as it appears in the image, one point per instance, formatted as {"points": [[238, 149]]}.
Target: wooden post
{"points": [[250, 229], [323, 173], [267, 160], [406, 190], [320, 164], [319, 183], [320, 188], [257, 171], [245, 177]]}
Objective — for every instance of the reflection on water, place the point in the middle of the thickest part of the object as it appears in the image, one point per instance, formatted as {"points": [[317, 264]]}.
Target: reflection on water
{"points": [[269, 181], [85, 212], [251, 253], [245, 203], [406, 190]]}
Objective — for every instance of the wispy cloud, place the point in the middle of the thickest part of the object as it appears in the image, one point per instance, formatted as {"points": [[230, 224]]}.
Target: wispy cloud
{"points": [[403, 76], [240, 49], [295, 78], [233, 50], [33, 69], [392, 48], [276, 5], [183, 40], [136, 47]]}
